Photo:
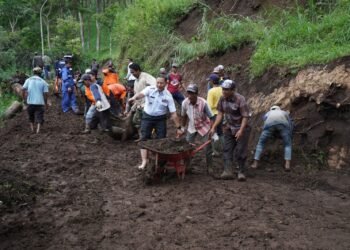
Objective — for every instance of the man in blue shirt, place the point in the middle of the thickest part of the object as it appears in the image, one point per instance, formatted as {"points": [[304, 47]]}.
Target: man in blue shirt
{"points": [[276, 121], [35, 93], [69, 100], [158, 102]]}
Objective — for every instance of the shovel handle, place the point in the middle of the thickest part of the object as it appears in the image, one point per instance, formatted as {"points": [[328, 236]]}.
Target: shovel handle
{"points": [[200, 147]]}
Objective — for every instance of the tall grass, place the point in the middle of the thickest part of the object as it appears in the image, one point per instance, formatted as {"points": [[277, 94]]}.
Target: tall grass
{"points": [[304, 37], [219, 35], [143, 30]]}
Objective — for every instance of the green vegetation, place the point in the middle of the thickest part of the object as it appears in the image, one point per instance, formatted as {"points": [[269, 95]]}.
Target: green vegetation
{"points": [[143, 30], [304, 37], [219, 35]]}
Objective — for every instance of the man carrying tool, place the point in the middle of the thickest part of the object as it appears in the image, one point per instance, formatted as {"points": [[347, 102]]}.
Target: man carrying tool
{"points": [[196, 113], [99, 109], [158, 102], [278, 122], [236, 130], [35, 92]]}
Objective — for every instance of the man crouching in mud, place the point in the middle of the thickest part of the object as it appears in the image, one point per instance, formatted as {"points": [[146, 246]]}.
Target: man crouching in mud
{"points": [[158, 101], [236, 129]]}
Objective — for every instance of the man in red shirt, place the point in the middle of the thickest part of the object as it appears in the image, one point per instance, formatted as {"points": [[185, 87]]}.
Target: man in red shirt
{"points": [[175, 84]]}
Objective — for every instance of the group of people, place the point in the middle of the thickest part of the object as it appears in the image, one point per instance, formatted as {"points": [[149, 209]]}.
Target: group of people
{"points": [[222, 117]]}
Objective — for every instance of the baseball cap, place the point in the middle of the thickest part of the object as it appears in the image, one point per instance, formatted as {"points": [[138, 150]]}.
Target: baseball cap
{"points": [[162, 70], [175, 65], [216, 70], [213, 77], [220, 67], [193, 88], [228, 84], [85, 77], [275, 107], [37, 70]]}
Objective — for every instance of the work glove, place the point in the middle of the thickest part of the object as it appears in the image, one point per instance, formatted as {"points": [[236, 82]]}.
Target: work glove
{"points": [[98, 105]]}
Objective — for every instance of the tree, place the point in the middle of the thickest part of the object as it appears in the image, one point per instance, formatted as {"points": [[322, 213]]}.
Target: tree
{"points": [[12, 11]]}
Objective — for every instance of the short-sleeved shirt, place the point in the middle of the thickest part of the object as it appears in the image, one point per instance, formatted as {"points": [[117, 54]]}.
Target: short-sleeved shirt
{"points": [[157, 102], [234, 109], [214, 95], [198, 115], [174, 82], [36, 87]]}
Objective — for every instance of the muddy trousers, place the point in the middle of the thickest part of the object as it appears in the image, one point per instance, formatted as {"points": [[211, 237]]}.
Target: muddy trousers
{"points": [[102, 118], [202, 139], [237, 148]]}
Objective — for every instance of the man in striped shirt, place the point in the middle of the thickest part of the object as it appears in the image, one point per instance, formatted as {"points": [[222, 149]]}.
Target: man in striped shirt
{"points": [[196, 113]]}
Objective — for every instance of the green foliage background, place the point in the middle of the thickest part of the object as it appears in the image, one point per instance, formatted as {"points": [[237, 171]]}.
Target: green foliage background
{"points": [[145, 31]]}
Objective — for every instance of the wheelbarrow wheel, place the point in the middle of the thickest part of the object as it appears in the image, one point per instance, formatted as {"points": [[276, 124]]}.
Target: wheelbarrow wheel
{"points": [[149, 173]]}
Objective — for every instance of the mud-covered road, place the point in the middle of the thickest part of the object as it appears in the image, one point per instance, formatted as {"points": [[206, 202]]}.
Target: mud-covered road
{"points": [[84, 192]]}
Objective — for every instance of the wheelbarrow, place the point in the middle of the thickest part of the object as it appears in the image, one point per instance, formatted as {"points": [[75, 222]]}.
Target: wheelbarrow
{"points": [[160, 159]]}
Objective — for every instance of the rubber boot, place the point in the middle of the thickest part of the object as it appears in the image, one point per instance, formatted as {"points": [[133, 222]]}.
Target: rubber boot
{"points": [[210, 169], [87, 129], [241, 175], [227, 173]]}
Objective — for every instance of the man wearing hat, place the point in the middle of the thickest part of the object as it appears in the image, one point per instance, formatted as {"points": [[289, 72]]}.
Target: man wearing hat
{"points": [[35, 92], [175, 84], [196, 114], [98, 111], [236, 130], [276, 122]]}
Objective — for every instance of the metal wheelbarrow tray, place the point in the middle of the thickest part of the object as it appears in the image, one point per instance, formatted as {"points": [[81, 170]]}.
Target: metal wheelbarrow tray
{"points": [[165, 153]]}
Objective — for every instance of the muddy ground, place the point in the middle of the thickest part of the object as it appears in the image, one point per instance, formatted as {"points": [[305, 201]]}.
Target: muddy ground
{"points": [[74, 191]]}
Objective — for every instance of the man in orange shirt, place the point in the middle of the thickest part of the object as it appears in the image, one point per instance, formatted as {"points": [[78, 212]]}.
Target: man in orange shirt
{"points": [[118, 94], [110, 78]]}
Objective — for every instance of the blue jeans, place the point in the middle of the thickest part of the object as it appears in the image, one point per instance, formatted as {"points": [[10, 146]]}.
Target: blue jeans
{"points": [[178, 97], [90, 114], [284, 132]]}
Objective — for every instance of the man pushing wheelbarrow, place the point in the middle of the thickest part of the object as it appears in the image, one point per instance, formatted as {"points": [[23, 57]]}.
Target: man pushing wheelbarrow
{"points": [[195, 112]]}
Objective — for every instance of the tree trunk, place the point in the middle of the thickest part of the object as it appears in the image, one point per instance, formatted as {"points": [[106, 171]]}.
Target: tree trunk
{"points": [[97, 27], [48, 34], [110, 44], [81, 21], [13, 109], [97, 36]]}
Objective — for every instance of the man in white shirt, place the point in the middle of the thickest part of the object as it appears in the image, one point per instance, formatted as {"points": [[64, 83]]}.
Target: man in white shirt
{"points": [[158, 102], [143, 80], [131, 80]]}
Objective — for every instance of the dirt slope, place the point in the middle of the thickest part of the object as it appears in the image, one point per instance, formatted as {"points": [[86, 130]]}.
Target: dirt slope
{"points": [[89, 196]]}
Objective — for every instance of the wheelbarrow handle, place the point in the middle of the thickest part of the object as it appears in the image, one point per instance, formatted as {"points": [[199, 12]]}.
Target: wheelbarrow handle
{"points": [[196, 150]]}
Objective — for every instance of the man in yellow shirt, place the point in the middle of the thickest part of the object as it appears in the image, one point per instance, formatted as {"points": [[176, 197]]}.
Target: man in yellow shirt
{"points": [[213, 98]]}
